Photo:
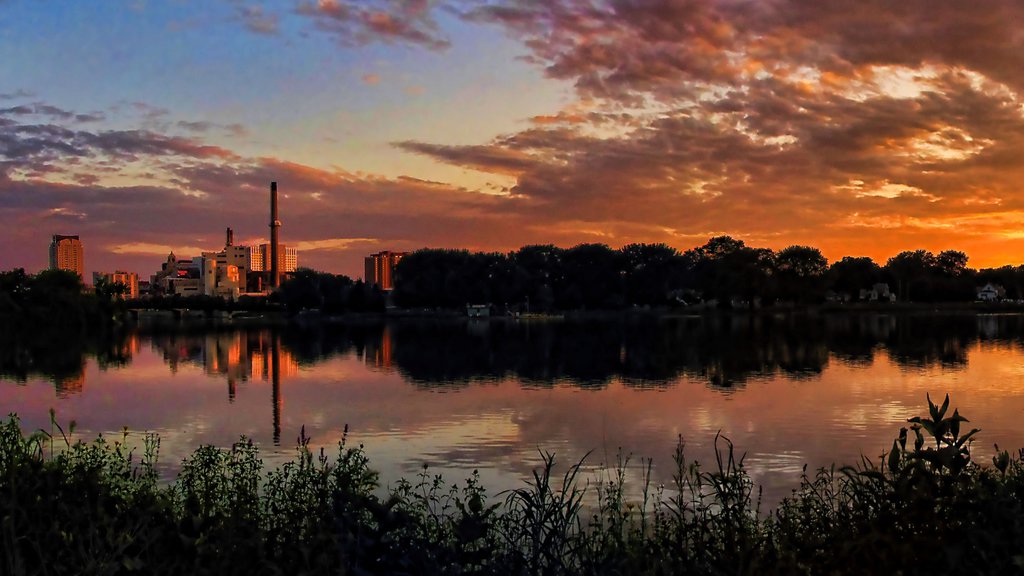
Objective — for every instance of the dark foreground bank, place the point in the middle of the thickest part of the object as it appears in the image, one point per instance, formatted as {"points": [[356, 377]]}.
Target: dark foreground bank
{"points": [[98, 508]]}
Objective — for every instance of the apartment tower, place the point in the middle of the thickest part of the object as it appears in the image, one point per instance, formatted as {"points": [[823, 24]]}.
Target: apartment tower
{"points": [[379, 269], [66, 254]]}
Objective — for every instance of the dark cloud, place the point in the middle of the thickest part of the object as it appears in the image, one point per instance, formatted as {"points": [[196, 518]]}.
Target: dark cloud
{"points": [[199, 126], [17, 94], [359, 22], [37, 147], [51, 112], [257, 20], [670, 48], [862, 127], [775, 121], [485, 158], [192, 190], [203, 127]]}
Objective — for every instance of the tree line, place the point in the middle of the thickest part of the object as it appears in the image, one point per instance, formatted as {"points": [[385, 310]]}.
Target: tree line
{"points": [[56, 300], [724, 271], [546, 278]]}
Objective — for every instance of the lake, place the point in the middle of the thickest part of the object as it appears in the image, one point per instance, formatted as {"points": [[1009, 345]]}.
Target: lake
{"points": [[461, 395]]}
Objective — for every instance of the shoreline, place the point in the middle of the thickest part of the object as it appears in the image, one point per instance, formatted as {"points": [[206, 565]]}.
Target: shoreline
{"points": [[216, 318]]}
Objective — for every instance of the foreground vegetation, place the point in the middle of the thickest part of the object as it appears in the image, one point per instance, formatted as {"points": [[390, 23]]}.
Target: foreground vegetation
{"points": [[99, 508]]}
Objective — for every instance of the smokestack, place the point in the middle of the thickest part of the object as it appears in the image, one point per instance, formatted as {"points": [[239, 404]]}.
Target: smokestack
{"points": [[230, 240], [275, 224]]}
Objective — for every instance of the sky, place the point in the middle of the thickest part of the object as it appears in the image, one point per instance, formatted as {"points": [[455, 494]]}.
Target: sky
{"points": [[861, 127]]}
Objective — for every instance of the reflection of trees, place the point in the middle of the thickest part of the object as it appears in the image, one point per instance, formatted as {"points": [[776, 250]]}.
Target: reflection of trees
{"points": [[927, 340], [723, 350], [59, 356], [643, 352]]}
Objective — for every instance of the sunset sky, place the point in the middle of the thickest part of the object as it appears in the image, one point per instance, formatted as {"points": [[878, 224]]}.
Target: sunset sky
{"points": [[862, 127]]}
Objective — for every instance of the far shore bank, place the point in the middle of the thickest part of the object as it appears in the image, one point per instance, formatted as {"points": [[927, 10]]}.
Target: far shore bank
{"points": [[277, 318]]}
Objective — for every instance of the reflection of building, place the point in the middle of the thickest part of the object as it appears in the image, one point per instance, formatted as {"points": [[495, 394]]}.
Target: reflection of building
{"points": [[378, 352], [239, 356], [66, 254], [261, 361], [380, 268], [236, 355], [129, 279]]}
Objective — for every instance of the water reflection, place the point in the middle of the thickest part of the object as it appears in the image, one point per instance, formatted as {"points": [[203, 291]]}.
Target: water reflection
{"points": [[789, 389], [60, 357], [237, 356], [724, 351]]}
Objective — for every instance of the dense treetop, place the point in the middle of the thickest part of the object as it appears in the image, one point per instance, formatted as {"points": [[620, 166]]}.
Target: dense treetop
{"points": [[723, 270]]}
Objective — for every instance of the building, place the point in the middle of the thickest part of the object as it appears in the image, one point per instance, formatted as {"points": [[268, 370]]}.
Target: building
{"points": [[991, 292], [66, 254], [219, 274], [231, 255], [225, 273], [259, 258], [129, 279], [878, 292], [176, 276], [380, 269]]}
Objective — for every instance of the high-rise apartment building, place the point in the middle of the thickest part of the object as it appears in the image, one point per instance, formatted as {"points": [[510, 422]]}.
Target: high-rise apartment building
{"points": [[380, 268], [66, 254], [130, 280], [259, 258]]}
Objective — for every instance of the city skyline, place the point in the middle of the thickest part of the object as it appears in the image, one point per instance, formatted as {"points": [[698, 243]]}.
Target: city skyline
{"points": [[862, 128]]}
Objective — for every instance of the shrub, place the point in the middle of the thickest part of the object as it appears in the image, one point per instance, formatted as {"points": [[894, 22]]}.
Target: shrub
{"points": [[926, 507]]}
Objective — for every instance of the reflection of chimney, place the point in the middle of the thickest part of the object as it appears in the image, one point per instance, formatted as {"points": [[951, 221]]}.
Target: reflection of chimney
{"points": [[275, 224], [230, 240], [275, 382]]}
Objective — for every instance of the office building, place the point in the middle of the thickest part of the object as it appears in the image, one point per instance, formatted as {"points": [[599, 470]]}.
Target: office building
{"points": [[380, 268], [66, 254]]}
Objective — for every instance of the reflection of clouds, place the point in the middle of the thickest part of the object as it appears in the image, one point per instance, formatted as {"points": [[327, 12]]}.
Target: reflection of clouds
{"points": [[779, 421]]}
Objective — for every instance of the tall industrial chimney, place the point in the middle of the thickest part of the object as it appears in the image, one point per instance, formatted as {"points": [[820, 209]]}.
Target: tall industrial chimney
{"points": [[230, 239], [275, 225]]}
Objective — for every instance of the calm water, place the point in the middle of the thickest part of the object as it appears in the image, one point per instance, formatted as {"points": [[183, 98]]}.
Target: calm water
{"points": [[488, 395]]}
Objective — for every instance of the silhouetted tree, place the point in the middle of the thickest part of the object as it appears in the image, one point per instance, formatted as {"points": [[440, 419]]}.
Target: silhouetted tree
{"points": [[951, 263], [953, 280], [725, 268], [653, 272], [1011, 278], [911, 272], [329, 293], [538, 270], [852, 274], [445, 278], [801, 274], [592, 278]]}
